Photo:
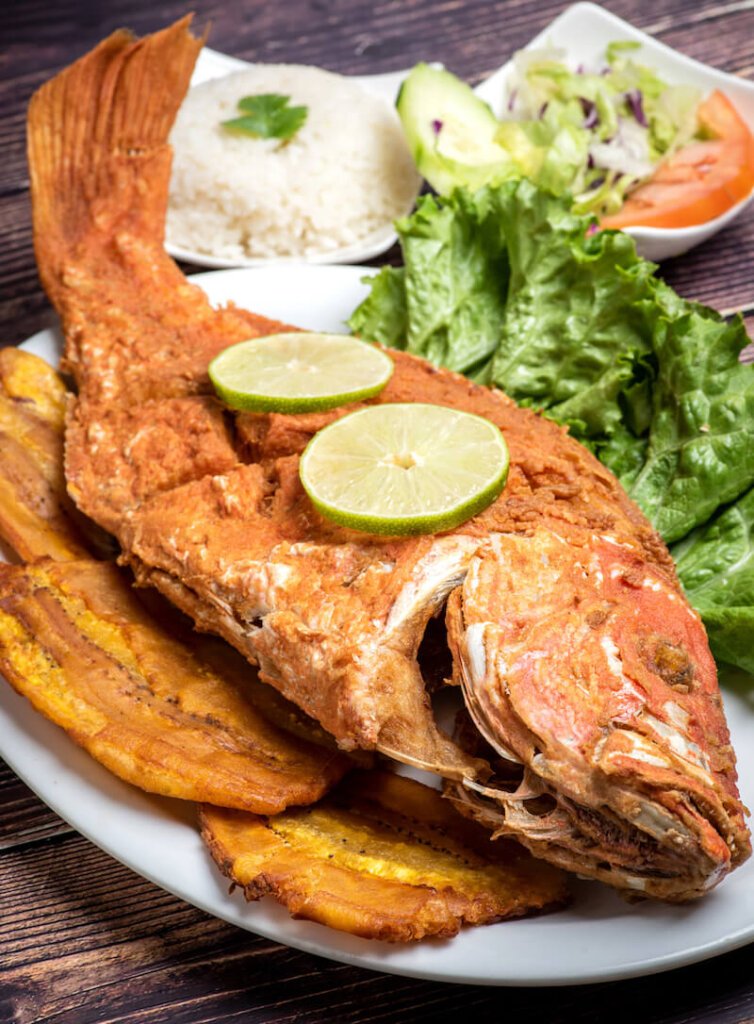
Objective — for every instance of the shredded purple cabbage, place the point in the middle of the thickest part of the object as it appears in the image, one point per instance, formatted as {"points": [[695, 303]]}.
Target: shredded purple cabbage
{"points": [[542, 111], [591, 117], [437, 127], [597, 183], [636, 104], [512, 99]]}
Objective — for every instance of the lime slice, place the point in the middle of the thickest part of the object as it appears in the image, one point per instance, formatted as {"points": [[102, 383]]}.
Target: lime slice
{"points": [[299, 372], [404, 468]]}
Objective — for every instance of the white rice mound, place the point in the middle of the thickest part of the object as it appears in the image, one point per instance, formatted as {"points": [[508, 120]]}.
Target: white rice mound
{"points": [[345, 174]]}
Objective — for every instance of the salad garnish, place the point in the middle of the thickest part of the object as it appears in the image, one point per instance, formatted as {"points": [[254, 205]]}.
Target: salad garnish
{"points": [[598, 133]]}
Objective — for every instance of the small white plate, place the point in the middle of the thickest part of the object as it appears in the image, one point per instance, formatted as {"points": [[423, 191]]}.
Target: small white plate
{"points": [[212, 64], [583, 30], [598, 938]]}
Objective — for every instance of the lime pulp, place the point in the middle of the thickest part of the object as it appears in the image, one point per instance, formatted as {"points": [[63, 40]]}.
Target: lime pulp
{"points": [[299, 372], [404, 468]]}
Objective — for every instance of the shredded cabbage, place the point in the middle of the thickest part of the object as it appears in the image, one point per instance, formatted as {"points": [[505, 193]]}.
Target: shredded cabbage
{"points": [[595, 132]]}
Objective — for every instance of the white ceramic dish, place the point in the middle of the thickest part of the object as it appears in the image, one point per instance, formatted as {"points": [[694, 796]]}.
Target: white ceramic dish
{"points": [[212, 64], [583, 30], [598, 938]]}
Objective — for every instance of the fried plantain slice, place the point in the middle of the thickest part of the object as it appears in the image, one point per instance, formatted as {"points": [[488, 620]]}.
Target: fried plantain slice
{"points": [[383, 857], [168, 713], [37, 518]]}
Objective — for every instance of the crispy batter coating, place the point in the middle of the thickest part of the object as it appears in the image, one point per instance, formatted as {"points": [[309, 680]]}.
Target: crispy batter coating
{"points": [[36, 516], [606, 698], [382, 857], [166, 712]]}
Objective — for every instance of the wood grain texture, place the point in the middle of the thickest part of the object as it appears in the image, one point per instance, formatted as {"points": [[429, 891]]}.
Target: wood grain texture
{"points": [[82, 939], [85, 941], [23, 818], [103, 945]]}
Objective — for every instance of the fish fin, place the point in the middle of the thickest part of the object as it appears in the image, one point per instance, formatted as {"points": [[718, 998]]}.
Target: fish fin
{"points": [[97, 143]]}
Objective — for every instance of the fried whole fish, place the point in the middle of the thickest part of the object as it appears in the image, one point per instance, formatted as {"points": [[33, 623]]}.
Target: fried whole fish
{"points": [[580, 660]]}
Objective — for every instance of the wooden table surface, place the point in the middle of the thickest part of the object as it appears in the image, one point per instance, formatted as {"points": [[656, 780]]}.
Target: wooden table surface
{"points": [[84, 940]]}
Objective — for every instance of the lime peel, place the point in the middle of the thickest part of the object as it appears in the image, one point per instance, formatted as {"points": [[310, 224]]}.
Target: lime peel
{"points": [[298, 371], [401, 469]]}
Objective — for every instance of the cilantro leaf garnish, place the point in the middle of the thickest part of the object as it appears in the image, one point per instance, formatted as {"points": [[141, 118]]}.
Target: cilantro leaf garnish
{"points": [[267, 116]]}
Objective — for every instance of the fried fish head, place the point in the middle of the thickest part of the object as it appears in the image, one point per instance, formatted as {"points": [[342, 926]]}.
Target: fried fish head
{"points": [[162, 711], [592, 673], [382, 857]]}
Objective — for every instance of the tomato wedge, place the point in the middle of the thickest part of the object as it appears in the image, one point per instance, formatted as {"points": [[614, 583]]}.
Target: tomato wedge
{"points": [[720, 119], [702, 180]]}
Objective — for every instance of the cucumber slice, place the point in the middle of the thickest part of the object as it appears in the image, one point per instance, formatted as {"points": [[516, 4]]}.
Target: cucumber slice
{"points": [[450, 131]]}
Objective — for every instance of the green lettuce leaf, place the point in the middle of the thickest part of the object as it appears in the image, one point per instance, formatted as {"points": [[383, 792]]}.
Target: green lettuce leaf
{"points": [[383, 316], [716, 567], [574, 301], [701, 438], [599, 419], [456, 275], [454, 287]]}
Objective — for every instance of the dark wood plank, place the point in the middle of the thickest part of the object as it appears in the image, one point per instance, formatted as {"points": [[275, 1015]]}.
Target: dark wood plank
{"points": [[23, 817], [104, 945]]}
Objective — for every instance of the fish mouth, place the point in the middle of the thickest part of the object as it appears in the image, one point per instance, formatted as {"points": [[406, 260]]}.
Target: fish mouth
{"points": [[593, 843]]}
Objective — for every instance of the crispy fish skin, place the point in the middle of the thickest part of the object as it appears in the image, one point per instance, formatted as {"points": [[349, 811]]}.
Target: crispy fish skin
{"points": [[333, 618], [382, 857], [37, 518], [249, 558], [142, 700]]}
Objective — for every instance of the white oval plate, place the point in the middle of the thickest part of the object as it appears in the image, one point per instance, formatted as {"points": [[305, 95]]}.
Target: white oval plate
{"points": [[598, 938], [583, 30]]}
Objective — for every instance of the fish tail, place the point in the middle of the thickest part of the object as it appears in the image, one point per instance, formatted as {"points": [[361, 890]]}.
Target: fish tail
{"points": [[97, 145]]}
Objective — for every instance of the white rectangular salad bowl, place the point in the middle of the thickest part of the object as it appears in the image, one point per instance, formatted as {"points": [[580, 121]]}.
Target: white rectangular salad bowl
{"points": [[584, 32]]}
